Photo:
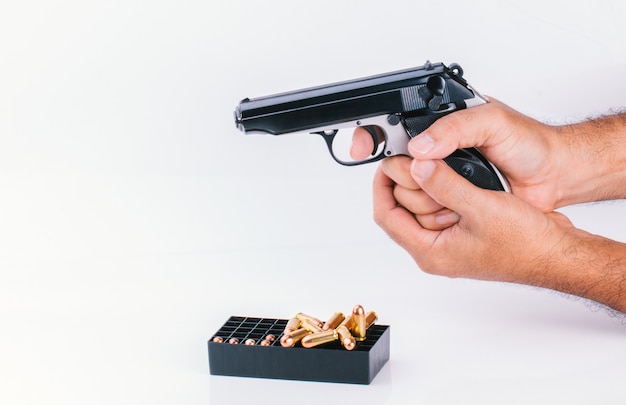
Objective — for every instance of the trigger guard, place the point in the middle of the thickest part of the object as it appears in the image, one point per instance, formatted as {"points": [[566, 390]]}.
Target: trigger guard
{"points": [[389, 133]]}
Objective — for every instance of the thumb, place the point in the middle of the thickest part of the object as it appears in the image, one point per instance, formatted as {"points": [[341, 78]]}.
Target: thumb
{"points": [[477, 126], [446, 186]]}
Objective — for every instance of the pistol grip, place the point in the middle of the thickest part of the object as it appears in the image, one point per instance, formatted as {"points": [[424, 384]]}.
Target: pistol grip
{"points": [[472, 165], [469, 162]]}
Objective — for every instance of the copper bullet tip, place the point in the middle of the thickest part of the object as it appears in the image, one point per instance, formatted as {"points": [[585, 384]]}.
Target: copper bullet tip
{"points": [[218, 339], [307, 342], [349, 344], [233, 341], [287, 341], [358, 310]]}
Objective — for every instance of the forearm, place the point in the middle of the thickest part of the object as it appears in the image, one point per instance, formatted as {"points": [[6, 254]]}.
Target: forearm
{"points": [[592, 160], [587, 266]]}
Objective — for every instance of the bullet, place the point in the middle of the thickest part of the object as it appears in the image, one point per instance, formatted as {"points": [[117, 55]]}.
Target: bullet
{"points": [[265, 343], [250, 342], [334, 321], [346, 339], [292, 324], [316, 339], [218, 339], [294, 337], [370, 318], [358, 314], [348, 322], [302, 317], [233, 341], [270, 338], [310, 325]]}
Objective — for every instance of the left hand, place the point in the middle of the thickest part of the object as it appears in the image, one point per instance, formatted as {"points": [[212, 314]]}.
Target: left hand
{"points": [[429, 214], [498, 236]]}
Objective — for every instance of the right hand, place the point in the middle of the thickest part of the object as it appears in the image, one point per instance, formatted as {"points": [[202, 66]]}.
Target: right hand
{"points": [[525, 150]]}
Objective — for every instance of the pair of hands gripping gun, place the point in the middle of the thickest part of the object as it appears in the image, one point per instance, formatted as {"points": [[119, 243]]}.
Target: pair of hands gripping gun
{"points": [[519, 238], [392, 107]]}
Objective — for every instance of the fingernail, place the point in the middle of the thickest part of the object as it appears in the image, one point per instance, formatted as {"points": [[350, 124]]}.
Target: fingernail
{"points": [[448, 218], [421, 145], [422, 168]]}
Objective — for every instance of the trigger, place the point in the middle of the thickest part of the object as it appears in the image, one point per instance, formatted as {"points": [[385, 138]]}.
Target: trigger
{"points": [[377, 136]]}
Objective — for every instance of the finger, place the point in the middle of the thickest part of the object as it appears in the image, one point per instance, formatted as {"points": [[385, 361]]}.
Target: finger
{"points": [[362, 144], [448, 188], [438, 221], [398, 168], [477, 126], [396, 221], [416, 201]]}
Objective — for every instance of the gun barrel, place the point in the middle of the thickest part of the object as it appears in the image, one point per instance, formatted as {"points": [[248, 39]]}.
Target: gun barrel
{"points": [[322, 106]]}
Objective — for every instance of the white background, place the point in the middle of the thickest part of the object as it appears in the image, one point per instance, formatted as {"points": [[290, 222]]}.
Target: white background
{"points": [[135, 218]]}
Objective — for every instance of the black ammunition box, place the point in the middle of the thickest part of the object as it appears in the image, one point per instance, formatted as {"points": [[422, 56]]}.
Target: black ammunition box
{"points": [[329, 362]]}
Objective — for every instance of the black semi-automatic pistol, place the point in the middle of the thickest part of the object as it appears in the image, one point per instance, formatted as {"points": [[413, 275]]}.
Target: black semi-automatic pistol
{"points": [[392, 107]]}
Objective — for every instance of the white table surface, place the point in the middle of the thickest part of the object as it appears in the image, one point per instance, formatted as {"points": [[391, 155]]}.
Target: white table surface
{"points": [[135, 219]]}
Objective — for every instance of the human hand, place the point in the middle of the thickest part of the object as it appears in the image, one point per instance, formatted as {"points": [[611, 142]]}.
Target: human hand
{"points": [[523, 149], [406, 191], [498, 236], [511, 237]]}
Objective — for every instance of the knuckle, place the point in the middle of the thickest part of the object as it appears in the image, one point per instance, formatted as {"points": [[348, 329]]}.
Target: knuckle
{"points": [[379, 218], [427, 265], [499, 114], [427, 221], [383, 220]]}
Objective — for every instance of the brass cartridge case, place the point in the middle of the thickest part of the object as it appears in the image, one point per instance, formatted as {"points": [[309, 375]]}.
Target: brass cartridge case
{"points": [[358, 314], [348, 322], [304, 317], [294, 337], [292, 324], [346, 339], [370, 318], [334, 321], [316, 339], [311, 326]]}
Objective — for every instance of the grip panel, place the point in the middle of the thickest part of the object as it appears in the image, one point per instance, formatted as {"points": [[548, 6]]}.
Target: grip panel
{"points": [[468, 162], [472, 165]]}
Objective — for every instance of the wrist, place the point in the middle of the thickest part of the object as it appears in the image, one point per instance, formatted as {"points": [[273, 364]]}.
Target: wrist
{"points": [[590, 266]]}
